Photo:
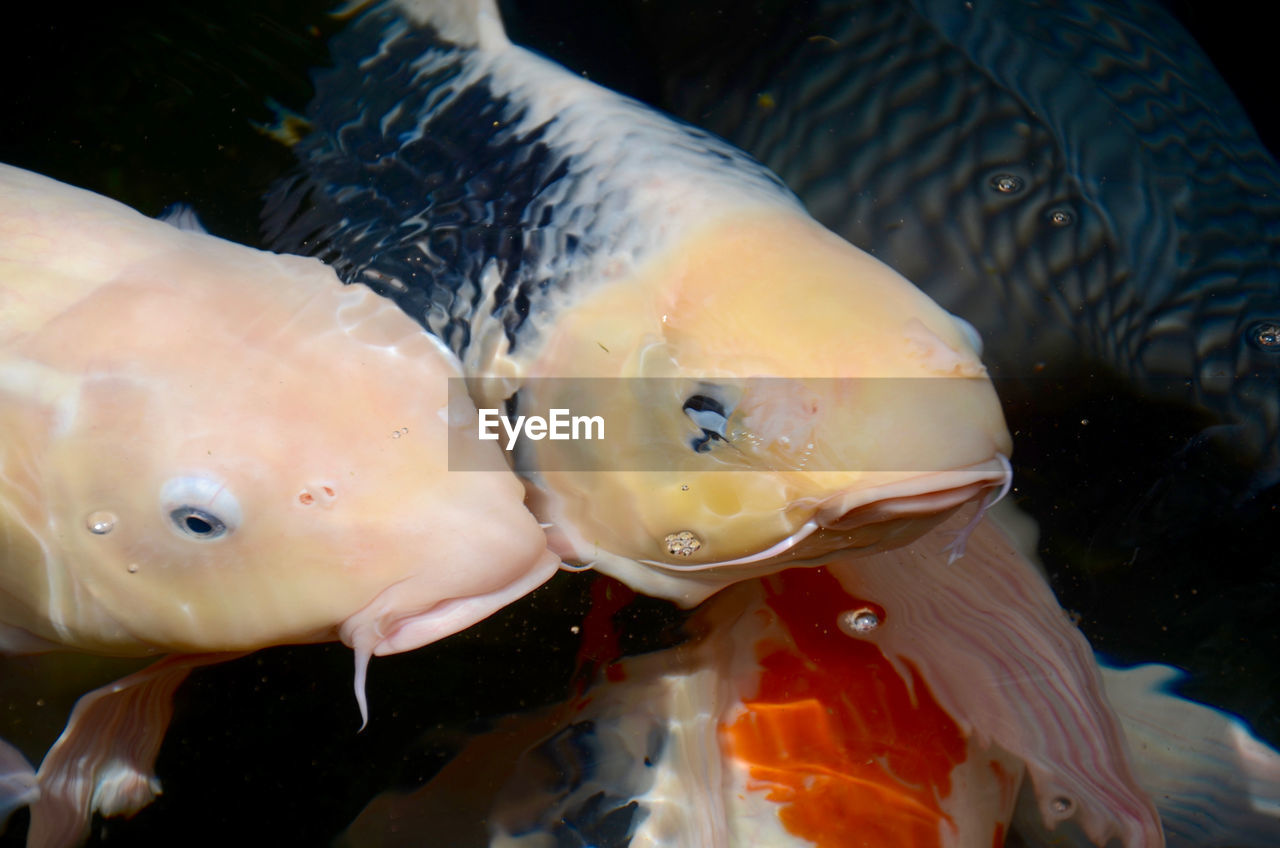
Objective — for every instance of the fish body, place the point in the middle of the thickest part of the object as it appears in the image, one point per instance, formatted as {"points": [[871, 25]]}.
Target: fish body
{"points": [[1074, 179], [572, 247], [889, 700], [762, 735], [210, 449]]}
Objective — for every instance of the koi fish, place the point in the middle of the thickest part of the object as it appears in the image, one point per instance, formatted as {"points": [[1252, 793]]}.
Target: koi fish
{"points": [[579, 251], [889, 700], [208, 449]]}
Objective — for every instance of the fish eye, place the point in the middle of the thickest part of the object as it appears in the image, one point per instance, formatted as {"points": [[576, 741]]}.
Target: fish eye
{"points": [[200, 507], [198, 523], [1265, 335], [710, 417]]}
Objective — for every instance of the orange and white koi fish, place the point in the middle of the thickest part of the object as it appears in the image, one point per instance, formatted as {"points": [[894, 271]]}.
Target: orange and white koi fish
{"points": [[894, 700]]}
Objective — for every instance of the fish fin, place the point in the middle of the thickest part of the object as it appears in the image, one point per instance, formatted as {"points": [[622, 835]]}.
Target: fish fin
{"points": [[104, 760], [466, 23], [184, 217], [16, 640], [289, 127], [455, 806], [1004, 660], [17, 782], [1214, 783]]}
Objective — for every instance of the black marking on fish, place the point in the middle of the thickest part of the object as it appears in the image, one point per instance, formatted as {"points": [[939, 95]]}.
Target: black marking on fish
{"points": [[710, 417], [416, 215], [595, 789], [424, 183], [599, 822]]}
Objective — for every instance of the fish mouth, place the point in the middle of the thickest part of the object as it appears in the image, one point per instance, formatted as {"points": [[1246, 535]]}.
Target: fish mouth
{"points": [[876, 518], [916, 497]]}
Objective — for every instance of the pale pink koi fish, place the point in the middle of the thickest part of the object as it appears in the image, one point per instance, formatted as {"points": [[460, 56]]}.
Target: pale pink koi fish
{"points": [[204, 449]]}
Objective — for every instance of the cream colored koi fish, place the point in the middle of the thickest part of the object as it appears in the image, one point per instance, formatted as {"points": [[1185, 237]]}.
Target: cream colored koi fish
{"points": [[767, 393], [206, 448]]}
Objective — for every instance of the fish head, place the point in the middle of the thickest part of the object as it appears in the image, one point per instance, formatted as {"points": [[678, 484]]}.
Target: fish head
{"points": [[769, 394], [1236, 362], [223, 449]]}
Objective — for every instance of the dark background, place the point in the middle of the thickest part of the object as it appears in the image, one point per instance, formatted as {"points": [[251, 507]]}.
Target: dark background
{"points": [[159, 103]]}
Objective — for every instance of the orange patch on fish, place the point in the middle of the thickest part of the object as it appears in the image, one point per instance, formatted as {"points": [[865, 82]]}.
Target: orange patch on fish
{"points": [[854, 753], [600, 638]]}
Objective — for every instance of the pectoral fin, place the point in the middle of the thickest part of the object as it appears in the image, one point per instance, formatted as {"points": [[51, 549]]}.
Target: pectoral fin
{"points": [[104, 760], [1213, 781], [1004, 660], [17, 782]]}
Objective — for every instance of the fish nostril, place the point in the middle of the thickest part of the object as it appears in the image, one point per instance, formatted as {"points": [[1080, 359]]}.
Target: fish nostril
{"points": [[321, 493]]}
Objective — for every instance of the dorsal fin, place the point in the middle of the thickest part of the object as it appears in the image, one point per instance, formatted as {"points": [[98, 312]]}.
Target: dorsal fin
{"points": [[184, 217], [466, 23]]}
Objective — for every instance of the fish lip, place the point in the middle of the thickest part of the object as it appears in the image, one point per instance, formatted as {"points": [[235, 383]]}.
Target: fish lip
{"points": [[927, 494], [847, 513]]}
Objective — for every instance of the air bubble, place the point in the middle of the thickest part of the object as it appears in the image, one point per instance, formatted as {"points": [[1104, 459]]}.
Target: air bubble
{"points": [[1062, 217], [858, 622], [101, 522], [682, 544], [1061, 805]]}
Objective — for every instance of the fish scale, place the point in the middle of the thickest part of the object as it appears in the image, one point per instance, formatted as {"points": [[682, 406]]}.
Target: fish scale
{"points": [[905, 113], [891, 121], [422, 215], [423, 259]]}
